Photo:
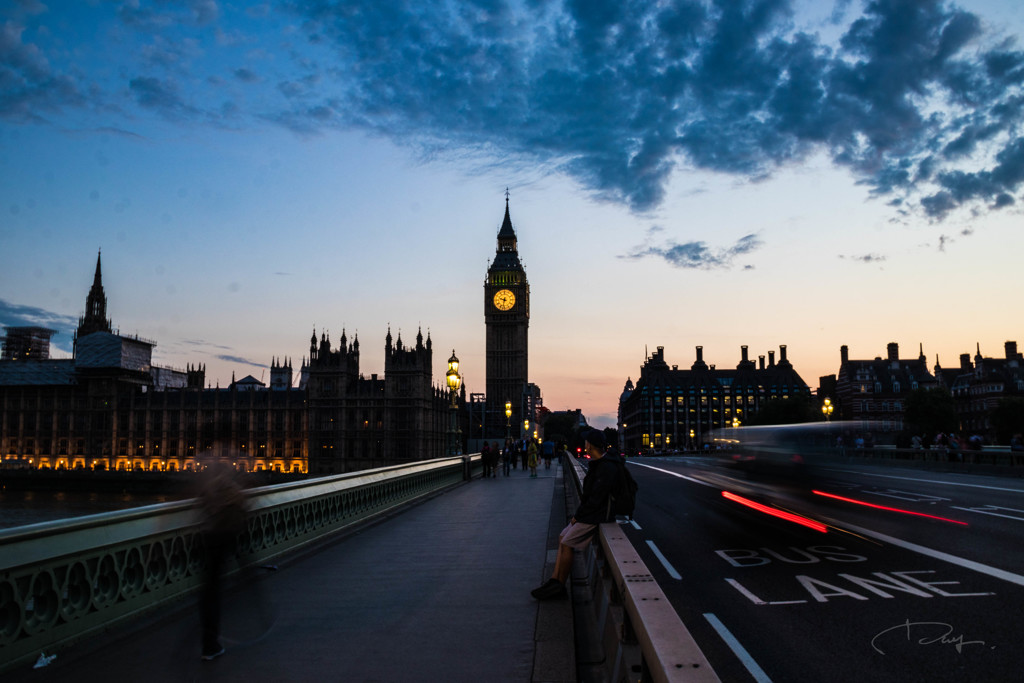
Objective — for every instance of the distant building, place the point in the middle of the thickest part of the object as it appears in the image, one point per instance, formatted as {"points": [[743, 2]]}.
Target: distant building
{"points": [[673, 408], [109, 407], [978, 387], [507, 323], [874, 392], [26, 343]]}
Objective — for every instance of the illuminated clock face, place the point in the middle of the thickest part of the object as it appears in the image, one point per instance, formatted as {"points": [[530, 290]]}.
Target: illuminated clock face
{"points": [[504, 299]]}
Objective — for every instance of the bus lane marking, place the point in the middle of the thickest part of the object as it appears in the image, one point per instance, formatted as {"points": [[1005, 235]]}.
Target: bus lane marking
{"points": [[919, 583]]}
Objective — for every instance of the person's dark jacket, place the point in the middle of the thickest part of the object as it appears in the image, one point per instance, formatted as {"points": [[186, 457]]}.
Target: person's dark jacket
{"points": [[597, 489]]}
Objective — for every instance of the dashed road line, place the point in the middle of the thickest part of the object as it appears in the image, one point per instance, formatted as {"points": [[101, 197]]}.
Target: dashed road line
{"points": [[664, 562], [741, 652]]}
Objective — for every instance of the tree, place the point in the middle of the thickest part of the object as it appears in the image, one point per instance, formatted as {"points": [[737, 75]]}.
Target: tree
{"points": [[930, 411], [561, 427], [1008, 419]]}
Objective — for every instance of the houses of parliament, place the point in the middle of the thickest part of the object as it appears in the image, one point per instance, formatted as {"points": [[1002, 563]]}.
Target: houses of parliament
{"points": [[109, 407]]}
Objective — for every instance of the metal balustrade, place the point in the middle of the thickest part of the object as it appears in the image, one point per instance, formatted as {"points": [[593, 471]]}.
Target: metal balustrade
{"points": [[65, 580]]}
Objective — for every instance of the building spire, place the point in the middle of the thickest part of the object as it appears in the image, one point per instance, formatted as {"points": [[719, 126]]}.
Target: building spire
{"points": [[95, 318]]}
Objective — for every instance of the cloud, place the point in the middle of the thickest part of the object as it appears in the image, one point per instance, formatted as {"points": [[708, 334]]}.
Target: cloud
{"points": [[239, 359], [866, 258], [162, 96], [913, 98], [620, 94], [17, 315], [29, 87], [697, 254]]}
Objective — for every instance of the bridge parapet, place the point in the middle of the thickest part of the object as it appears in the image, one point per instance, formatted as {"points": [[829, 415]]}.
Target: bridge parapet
{"points": [[68, 579], [639, 630]]}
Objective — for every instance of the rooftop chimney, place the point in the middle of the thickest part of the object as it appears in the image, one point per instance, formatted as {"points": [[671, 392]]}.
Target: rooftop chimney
{"points": [[760, 362], [743, 350], [771, 359], [844, 353], [965, 361], [700, 354], [782, 353], [894, 351]]}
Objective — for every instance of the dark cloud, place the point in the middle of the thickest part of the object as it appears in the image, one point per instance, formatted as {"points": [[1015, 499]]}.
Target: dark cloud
{"points": [[913, 98], [247, 76], [866, 258], [29, 87], [160, 95], [17, 315], [239, 359], [621, 93], [697, 254]]}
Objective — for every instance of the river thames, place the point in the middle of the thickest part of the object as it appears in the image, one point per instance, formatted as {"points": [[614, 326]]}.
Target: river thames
{"points": [[19, 507]]}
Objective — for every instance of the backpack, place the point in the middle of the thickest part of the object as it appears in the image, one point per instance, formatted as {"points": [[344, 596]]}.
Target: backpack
{"points": [[623, 498]]}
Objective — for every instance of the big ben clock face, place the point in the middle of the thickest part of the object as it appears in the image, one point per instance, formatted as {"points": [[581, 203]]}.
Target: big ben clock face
{"points": [[504, 299]]}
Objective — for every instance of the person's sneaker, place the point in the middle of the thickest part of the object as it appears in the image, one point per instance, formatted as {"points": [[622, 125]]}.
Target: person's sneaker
{"points": [[552, 589], [213, 654]]}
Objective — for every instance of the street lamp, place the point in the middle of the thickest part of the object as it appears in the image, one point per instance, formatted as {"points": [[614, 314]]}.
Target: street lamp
{"points": [[526, 428], [454, 381], [735, 423], [826, 409], [508, 417]]}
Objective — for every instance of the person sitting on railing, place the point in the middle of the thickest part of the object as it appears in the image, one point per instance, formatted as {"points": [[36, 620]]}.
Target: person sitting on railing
{"points": [[594, 509]]}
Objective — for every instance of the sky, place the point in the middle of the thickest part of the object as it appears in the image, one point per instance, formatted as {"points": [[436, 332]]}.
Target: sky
{"points": [[681, 174]]}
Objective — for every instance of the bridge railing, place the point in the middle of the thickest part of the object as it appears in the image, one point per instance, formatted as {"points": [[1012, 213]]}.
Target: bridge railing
{"points": [[640, 630], [65, 580]]}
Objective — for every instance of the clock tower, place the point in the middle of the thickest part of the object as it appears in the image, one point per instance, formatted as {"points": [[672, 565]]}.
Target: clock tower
{"points": [[507, 317]]}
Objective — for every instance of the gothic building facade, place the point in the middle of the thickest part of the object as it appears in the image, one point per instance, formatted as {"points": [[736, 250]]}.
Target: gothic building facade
{"points": [[507, 321], [669, 408], [110, 407]]}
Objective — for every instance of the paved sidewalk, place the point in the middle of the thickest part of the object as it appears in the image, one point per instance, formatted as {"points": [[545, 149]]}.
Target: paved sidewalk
{"points": [[438, 592]]}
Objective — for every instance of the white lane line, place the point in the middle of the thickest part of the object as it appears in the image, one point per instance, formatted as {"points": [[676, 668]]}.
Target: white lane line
{"points": [[926, 481], [635, 525], [665, 563], [937, 554], [674, 474], [741, 652], [989, 510]]}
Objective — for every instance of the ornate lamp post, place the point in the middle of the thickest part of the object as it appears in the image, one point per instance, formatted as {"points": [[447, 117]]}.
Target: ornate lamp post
{"points": [[454, 381], [508, 417], [826, 409]]}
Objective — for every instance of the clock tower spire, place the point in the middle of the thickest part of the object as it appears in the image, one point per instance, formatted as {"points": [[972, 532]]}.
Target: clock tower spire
{"points": [[507, 319]]}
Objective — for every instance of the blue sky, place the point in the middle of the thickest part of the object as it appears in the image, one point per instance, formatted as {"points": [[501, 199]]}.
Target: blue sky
{"points": [[681, 173]]}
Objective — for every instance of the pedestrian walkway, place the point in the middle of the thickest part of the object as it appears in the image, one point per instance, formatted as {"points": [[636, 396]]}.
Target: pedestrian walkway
{"points": [[438, 592]]}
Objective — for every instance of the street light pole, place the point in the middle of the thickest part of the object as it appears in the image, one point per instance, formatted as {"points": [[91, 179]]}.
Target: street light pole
{"points": [[508, 424], [454, 381]]}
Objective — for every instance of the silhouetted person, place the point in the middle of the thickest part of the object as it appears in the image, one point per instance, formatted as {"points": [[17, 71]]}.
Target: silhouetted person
{"points": [[222, 506], [593, 510]]}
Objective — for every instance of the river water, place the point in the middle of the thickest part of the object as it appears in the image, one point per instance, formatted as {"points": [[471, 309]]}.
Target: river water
{"points": [[18, 508]]}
